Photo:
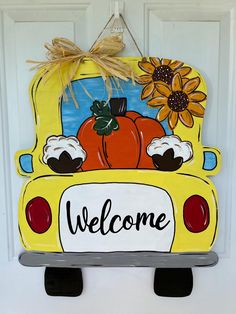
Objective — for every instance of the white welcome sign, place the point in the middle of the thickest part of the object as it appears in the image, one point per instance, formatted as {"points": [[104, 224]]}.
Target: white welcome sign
{"points": [[105, 217]]}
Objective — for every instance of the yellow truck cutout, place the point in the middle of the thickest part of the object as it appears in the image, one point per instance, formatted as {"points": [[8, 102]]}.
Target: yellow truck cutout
{"points": [[120, 181]]}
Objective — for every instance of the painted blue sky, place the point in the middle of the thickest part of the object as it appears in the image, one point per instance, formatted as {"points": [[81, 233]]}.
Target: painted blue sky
{"points": [[73, 117]]}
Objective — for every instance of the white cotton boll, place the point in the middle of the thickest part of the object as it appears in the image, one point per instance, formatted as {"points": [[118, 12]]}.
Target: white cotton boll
{"points": [[161, 145], [57, 144]]}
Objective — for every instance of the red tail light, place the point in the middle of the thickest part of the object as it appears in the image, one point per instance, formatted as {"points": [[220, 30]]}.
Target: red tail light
{"points": [[196, 214], [38, 215]]}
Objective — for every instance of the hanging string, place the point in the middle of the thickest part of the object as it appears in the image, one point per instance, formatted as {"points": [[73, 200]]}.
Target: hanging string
{"points": [[128, 29], [102, 31], [131, 35]]}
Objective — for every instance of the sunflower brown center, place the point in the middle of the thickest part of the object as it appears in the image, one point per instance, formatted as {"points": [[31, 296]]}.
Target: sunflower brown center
{"points": [[178, 101], [163, 73]]}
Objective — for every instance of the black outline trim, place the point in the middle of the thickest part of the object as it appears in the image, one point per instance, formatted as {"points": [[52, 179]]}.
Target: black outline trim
{"points": [[20, 233], [193, 176], [199, 134], [217, 217]]}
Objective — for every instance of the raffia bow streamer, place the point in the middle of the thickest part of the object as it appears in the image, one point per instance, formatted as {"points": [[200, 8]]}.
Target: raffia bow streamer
{"points": [[63, 52]]}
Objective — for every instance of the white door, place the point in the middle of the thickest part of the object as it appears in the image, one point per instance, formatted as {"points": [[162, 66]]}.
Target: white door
{"points": [[202, 33]]}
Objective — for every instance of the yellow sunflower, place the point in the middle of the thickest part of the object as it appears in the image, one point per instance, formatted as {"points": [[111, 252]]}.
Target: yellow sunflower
{"points": [[159, 70], [179, 101]]}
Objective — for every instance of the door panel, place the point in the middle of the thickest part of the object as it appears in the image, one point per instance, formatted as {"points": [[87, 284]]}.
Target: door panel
{"points": [[201, 37]]}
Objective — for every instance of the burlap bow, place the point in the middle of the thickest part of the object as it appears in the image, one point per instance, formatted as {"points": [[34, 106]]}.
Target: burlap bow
{"points": [[63, 52]]}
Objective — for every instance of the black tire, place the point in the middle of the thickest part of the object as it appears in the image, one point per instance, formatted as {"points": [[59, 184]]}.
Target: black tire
{"points": [[67, 282], [173, 282]]}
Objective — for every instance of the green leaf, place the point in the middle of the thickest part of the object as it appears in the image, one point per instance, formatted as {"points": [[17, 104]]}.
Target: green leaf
{"points": [[104, 125], [99, 108], [105, 122]]}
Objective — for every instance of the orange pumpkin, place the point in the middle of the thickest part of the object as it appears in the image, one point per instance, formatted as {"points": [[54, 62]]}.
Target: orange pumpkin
{"points": [[88, 138], [116, 138]]}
